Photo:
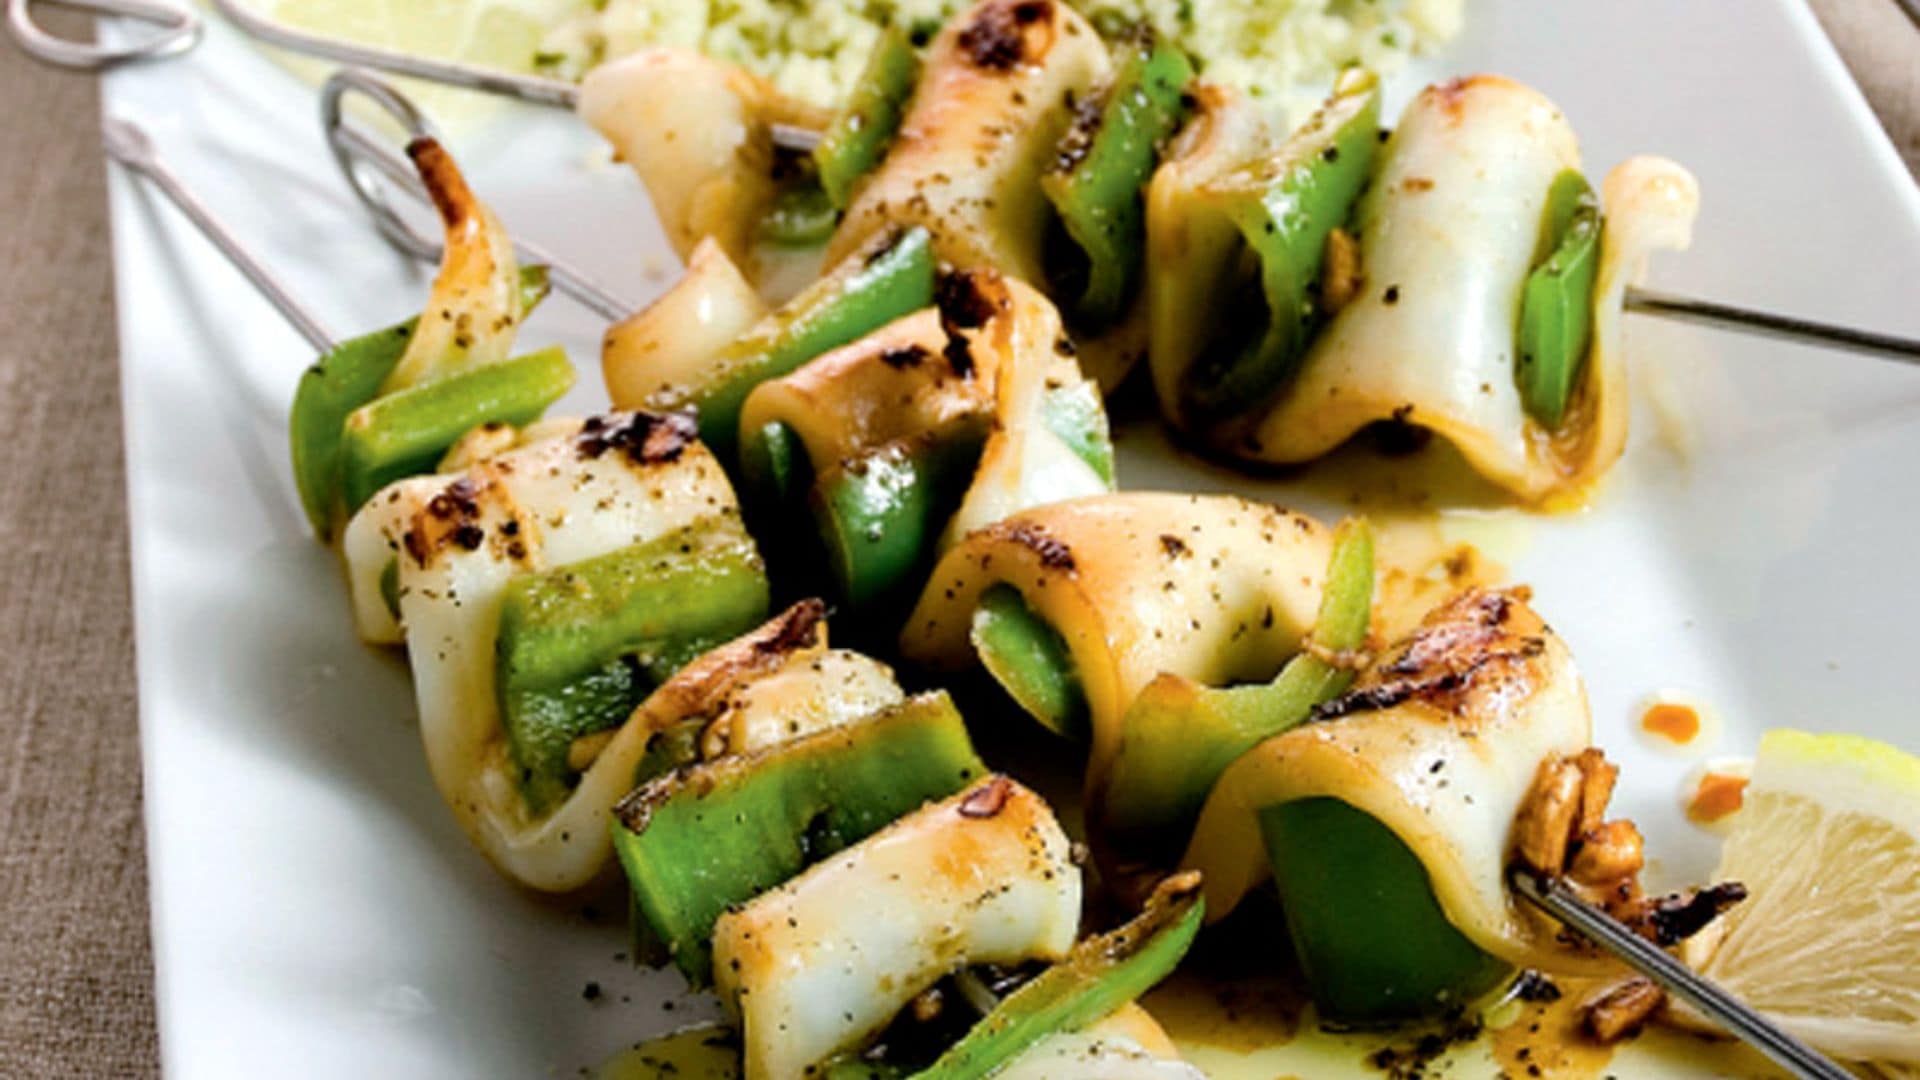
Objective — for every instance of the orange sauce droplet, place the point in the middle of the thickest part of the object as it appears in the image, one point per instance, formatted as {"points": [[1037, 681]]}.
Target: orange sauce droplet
{"points": [[1717, 796], [1671, 720]]}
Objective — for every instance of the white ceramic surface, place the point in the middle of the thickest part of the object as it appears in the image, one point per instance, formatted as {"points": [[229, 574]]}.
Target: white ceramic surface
{"points": [[316, 912]]}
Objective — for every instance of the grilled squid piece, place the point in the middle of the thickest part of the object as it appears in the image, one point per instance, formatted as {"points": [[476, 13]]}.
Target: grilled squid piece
{"points": [[1048, 440], [476, 301], [1119, 589], [981, 877], [1406, 790], [700, 135], [389, 404], [543, 593], [983, 125], [1449, 231], [671, 341], [952, 416], [985, 122]]}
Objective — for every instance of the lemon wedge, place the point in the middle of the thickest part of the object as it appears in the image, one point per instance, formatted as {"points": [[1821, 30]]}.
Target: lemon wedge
{"points": [[1828, 941], [502, 34]]}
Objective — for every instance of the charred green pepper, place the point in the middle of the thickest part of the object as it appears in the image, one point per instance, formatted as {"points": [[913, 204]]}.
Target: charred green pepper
{"points": [[581, 645], [345, 379], [1285, 206], [1372, 942], [705, 837], [1556, 305], [1105, 160], [1178, 737], [857, 138]]}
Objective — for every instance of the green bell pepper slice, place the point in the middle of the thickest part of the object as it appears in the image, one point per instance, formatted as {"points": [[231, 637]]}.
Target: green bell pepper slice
{"points": [[857, 138], [705, 837], [877, 517], [1104, 163], [1178, 737], [406, 433], [801, 216], [1372, 942], [869, 289], [581, 645], [1101, 974], [1075, 412], [1029, 658], [880, 516], [775, 469], [346, 378], [1284, 207], [1556, 304]]}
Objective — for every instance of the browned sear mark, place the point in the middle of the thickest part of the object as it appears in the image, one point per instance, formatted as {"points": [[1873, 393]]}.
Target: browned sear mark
{"points": [[968, 300], [1004, 36], [647, 438], [442, 179], [901, 357], [988, 799], [1054, 554], [796, 628], [1471, 641], [451, 517]]}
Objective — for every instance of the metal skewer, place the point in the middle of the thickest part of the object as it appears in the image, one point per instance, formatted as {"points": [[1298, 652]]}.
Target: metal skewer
{"points": [[1769, 324], [178, 29], [127, 144], [353, 148], [1675, 978]]}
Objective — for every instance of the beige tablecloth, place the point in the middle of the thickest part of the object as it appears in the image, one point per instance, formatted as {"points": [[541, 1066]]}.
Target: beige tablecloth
{"points": [[76, 984]]}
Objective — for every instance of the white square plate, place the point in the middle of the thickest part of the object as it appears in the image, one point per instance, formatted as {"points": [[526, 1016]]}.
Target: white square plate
{"points": [[317, 913]]}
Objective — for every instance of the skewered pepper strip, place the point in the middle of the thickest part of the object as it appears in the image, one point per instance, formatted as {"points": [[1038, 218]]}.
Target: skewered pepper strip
{"points": [[1403, 959], [581, 645], [879, 515], [706, 837], [1179, 736], [1556, 306], [985, 876], [872, 287], [800, 216], [1101, 974], [857, 139], [346, 378], [1285, 206], [1104, 162], [406, 433], [1438, 745], [884, 482], [1030, 660]]}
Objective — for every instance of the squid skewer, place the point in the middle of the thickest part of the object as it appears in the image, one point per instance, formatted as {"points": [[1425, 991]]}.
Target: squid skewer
{"points": [[558, 93]]}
